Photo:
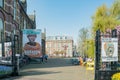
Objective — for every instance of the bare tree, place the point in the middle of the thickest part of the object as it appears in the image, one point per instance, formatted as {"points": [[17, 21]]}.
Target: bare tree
{"points": [[82, 38]]}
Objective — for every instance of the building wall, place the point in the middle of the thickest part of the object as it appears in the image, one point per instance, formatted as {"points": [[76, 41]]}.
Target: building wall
{"points": [[59, 46], [14, 18]]}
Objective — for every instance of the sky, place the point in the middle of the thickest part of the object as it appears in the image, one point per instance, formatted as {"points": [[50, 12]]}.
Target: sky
{"points": [[64, 17]]}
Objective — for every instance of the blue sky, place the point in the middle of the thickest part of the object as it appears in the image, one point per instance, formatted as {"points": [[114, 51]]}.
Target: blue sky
{"points": [[64, 17]]}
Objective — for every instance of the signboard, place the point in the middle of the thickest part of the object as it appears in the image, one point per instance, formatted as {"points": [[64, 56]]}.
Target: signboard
{"points": [[109, 49], [8, 49], [32, 42]]}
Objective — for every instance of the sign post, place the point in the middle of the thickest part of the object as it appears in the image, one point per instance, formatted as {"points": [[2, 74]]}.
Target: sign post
{"points": [[32, 46], [106, 55]]}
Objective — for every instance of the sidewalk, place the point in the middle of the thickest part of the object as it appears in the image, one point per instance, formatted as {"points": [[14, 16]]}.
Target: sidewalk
{"points": [[54, 69]]}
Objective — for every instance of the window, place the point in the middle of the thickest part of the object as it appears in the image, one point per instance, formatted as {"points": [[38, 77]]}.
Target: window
{"points": [[65, 37], [1, 3], [56, 38], [1, 36], [59, 45], [1, 28], [14, 9], [24, 24], [61, 38]]}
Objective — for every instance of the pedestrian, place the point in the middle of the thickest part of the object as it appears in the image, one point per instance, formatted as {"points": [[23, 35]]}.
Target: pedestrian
{"points": [[81, 61], [46, 57], [42, 59]]}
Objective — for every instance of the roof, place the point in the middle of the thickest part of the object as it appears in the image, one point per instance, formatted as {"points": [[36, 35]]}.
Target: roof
{"points": [[32, 17], [59, 38], [23, 1]]}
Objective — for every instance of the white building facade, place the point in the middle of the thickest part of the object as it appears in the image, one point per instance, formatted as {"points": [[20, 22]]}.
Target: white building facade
{"points": [[59, 46]]}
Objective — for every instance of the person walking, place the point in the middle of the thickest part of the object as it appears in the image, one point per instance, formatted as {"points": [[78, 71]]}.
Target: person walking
{"points": [[81, 61], [46, 57]]}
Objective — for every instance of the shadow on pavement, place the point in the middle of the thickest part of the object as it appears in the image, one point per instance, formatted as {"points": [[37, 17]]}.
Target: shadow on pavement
{"points": [[30, 73], [52, 62]]}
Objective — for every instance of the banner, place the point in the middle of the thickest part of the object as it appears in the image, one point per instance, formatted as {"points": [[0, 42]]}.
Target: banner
{"points": [[32, 42], [109, 49]]}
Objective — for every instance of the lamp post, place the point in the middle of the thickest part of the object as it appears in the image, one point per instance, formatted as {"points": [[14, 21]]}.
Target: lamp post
{"points": [[13, 53], [14, 59]]}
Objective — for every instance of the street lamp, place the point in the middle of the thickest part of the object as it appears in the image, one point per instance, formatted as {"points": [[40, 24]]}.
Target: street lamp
{"points": [[14, 59]]}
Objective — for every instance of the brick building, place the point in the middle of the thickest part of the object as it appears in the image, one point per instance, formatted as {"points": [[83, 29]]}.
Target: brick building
{"points": [[61, 46], [14, 18]]}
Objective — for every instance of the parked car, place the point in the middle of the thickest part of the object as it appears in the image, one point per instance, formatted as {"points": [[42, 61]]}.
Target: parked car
{"points": [[75, 61]]}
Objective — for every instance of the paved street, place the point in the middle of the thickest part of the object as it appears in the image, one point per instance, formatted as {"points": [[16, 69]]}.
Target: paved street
{"points": [[54, 69]]}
